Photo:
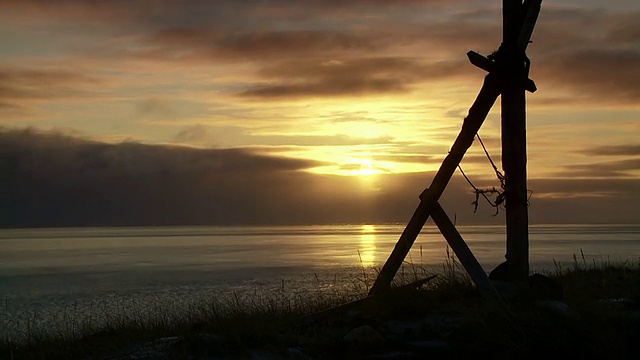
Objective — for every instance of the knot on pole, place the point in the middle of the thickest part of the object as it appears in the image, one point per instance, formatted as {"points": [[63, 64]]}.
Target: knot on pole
{"points": [[494, 63]]}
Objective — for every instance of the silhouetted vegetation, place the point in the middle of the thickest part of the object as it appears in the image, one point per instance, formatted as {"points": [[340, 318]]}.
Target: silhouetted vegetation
{"points": [[599, 317]]}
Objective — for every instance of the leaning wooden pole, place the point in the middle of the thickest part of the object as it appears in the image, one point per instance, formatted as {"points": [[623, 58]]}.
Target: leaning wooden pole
{"points": [[478, 112]]}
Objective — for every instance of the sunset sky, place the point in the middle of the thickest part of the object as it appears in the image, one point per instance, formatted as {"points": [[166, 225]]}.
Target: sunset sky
{"points": [[284, 111]]}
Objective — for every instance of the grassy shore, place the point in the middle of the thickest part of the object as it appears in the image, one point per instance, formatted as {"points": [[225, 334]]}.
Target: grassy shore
{"points": [[599, 317]]}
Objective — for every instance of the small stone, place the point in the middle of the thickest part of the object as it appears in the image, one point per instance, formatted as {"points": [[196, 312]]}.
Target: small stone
{"points": [[511, 290], [617, 302], [543, 288], [210, 337], [399, 354], [435, 345], [297, 353], [442, 323], [404, 327], [363, 338], [558, 308], [156, 349], [264, 355], [500, 273]]}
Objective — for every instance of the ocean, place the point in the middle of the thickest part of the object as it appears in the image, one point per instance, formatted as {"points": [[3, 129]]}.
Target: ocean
{"points": [[50, 275]]}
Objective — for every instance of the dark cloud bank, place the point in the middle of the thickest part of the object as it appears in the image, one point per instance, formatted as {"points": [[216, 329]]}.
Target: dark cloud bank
{"points": [[50, 179]]}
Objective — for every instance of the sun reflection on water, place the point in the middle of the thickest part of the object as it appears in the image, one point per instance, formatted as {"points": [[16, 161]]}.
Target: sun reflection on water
{"points": [[367, 248]]}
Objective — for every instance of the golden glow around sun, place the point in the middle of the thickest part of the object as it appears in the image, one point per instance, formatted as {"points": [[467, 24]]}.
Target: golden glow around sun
{"points": [[366, 168], [362, 167], [367, 248]]}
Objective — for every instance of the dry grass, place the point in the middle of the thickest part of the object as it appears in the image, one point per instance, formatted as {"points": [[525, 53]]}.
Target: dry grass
{"points": [[598, 291]]}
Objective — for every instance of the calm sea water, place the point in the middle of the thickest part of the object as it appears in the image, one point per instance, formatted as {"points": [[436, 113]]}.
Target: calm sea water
{"points": [[51, 271]]}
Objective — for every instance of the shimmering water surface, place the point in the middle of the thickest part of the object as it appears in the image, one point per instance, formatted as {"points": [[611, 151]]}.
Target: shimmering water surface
{"points": [[51, 269]]}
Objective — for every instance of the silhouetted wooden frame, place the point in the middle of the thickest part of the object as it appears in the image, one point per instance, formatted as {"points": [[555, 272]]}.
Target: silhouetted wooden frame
{"points": [[508, 74]]}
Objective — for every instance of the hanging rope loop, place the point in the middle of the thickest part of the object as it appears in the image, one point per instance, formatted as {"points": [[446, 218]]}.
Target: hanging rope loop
{"points": [[493, 196]]}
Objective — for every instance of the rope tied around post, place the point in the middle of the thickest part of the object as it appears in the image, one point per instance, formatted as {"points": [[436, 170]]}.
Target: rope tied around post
{"points": [[489, 193]]}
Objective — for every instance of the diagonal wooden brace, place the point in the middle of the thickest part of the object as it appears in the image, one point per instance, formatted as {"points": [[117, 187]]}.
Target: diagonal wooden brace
{"points": [[464, 254], [491, 89], [531, 10]]}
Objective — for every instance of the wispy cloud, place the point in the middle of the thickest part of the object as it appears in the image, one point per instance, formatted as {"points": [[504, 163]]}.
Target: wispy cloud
{"points": [[609, 169], [614, 150], [595, 75], [19, 84], [360, 76], [218, 45]]}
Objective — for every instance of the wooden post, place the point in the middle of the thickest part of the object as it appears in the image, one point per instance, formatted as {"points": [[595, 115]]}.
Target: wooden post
{"points": [[514, 146], [478, 112]]}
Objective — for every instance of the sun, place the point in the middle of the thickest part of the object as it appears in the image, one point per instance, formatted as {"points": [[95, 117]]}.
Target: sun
{"points": [[366, 168], [362, 167]]}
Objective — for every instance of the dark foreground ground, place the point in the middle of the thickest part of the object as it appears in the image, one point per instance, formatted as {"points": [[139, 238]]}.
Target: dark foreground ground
{"points": [[597, 316]]}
